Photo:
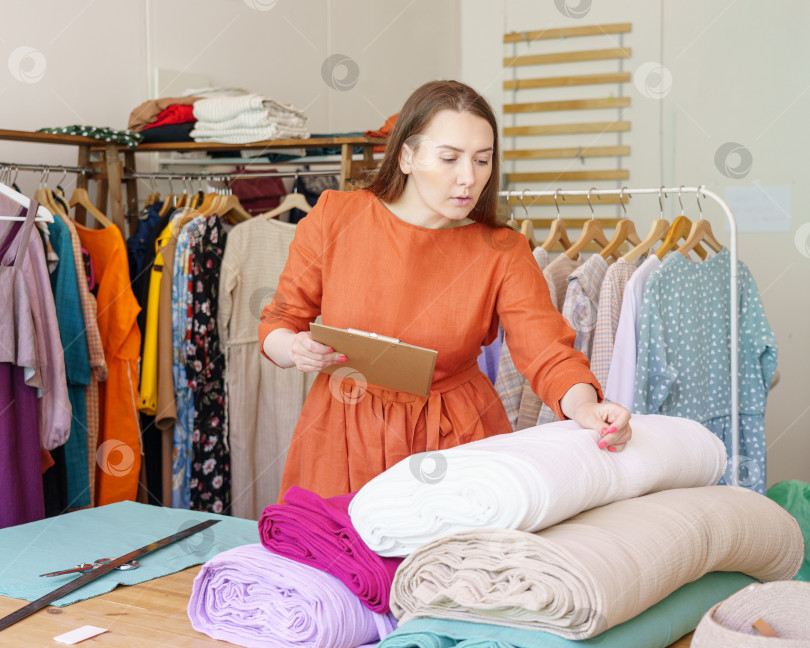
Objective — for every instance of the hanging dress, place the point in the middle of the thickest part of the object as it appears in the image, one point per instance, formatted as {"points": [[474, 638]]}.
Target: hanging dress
{"points": [[119, 452], [20, 474]]}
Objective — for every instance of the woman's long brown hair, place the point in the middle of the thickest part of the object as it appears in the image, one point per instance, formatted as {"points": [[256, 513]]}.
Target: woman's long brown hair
{"points": [[389, 182]]}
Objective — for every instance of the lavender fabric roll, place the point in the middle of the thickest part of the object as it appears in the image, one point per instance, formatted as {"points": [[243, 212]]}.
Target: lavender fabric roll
{"points": [[252, 597]]}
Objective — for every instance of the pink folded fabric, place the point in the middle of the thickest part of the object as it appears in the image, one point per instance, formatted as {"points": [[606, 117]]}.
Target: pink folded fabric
{"points": [[318, 532]]}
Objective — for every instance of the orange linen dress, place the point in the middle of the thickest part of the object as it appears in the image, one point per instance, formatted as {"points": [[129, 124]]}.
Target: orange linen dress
{"points": [[118, 456], [359, 266]]}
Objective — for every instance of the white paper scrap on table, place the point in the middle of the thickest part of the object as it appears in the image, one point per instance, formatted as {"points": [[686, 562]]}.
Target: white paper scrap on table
{"points": [[79, 634], [760, 209]]}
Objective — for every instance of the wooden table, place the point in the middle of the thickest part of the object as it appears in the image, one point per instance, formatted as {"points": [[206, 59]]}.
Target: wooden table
{"points": [[147, 615]]}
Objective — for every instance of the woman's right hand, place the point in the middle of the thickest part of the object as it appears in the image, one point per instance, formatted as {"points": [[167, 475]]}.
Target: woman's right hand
{"points": [[308, 355]]}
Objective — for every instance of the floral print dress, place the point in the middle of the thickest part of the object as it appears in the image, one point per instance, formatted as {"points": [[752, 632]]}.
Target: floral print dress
{"points": [[205, 369]]}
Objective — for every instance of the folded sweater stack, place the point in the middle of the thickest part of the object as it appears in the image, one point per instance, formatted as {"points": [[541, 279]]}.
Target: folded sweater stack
{"points": [[245, 119]]}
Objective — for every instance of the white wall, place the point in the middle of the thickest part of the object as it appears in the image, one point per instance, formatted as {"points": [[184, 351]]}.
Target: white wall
{"points": [[739, 73], [97, 56]]}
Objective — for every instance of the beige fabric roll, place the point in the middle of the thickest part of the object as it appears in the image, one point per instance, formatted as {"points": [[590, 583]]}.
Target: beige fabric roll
{"points": [[783, 605], [601, 567]]}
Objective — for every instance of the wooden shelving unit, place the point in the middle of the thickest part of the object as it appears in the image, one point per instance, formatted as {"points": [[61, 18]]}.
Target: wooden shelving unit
{"points": [[108, 170]]}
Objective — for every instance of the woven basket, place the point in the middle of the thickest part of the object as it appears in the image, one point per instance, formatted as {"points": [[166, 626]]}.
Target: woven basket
{"points": [[784, 605]]}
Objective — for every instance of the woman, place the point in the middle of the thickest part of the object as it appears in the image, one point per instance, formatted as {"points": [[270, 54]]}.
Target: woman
{"points": [[418, 256]]}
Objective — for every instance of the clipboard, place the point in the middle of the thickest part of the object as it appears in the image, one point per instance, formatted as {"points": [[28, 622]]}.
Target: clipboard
{"points": [[381, 360]]}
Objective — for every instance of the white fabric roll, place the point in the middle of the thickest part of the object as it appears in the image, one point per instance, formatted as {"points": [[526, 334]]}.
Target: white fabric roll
{"points": [[529, 480]]}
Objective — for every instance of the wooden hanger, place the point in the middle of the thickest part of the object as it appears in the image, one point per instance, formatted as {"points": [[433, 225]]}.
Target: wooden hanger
{"points": [[232, 208], [209, 202], [701, 232], [527, 229], [591, 232], [557, 232], [44, 196], [511, 223], [658, 232], [625, 231], [169, 201], [292, 200], [81, 197], [679, 230]]}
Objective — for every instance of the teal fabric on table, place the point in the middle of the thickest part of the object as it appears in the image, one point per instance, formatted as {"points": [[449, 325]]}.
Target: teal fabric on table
{"points": [[794, 496], [110, 531], [657, 627]]}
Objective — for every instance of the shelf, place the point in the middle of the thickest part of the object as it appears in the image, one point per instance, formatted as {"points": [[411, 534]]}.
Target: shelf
{"points": [[48, 138], [320, 142], [240, 161]]}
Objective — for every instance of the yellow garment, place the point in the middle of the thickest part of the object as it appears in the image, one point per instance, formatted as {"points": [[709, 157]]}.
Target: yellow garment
{"points": [[148, 400]]}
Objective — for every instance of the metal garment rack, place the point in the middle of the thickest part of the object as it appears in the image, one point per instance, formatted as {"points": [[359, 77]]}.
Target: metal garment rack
{"points": [[733, 289], [13, 167], [160, 175]]}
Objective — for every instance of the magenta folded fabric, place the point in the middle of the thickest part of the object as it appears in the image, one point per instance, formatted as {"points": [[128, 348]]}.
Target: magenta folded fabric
{"points": [[251, 597], [318, 532]]}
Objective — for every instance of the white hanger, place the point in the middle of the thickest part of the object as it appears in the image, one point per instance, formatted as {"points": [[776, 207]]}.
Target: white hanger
{"points": [[43, 215]]}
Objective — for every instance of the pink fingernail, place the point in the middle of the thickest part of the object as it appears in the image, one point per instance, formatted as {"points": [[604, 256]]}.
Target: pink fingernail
{"points": [[602, 445], [611, 429], [611, 449], [342, 359]]}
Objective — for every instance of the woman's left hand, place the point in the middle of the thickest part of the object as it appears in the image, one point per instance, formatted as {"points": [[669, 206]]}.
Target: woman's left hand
{"points": [[611, 420]]}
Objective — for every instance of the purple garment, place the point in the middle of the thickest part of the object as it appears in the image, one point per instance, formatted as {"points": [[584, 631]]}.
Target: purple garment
{"points": [[318, 532], [20, 474], [48, 375], [252, 597], [490, 356]]}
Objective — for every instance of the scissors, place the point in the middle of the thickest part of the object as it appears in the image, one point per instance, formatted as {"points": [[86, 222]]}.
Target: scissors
{"points": [[86, 567]]}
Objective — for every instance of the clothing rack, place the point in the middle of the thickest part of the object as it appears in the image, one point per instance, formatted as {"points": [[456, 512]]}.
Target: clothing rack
{"points": [[733, 290], [13, 167], [221, 175]]}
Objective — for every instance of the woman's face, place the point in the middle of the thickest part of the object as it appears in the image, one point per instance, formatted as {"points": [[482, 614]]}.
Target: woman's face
{"points": [[448, 166]]}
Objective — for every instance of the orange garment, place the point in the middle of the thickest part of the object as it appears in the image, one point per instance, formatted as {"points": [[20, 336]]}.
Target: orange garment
{"points": [[119, 453], [359, 266], [384, 132]]}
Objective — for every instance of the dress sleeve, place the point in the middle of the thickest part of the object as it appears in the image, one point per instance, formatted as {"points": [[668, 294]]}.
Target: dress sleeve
{"points": [[540, 340], [297, 300], [228, 282]]}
